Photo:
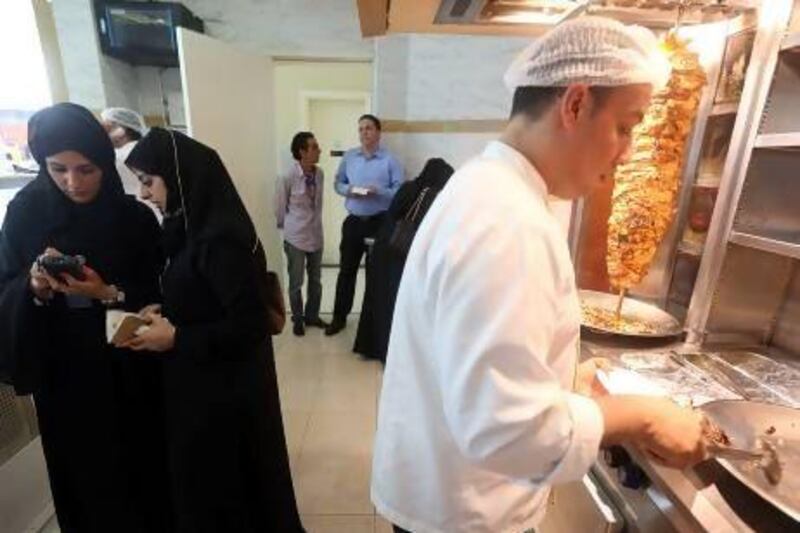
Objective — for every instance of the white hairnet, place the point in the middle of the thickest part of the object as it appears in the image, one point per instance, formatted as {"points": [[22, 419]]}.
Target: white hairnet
{"points": [[125, 117], [594, 51]]}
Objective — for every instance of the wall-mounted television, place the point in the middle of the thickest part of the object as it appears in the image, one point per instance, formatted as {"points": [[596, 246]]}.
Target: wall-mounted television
{"points": [[143, 33]]}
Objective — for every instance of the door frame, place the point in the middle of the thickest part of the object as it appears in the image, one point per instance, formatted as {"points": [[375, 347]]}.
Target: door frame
{"points": [[306, 97]]}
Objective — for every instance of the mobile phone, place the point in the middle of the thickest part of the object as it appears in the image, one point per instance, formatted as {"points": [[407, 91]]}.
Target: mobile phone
{"points": [[59, 265]]}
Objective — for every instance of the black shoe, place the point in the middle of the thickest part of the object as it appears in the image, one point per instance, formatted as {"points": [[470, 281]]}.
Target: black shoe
{"points": [[299, 329], [335, 327], [316, 323]]}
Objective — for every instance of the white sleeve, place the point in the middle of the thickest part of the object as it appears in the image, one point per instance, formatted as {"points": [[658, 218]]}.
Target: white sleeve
{"points": [[496, 314]]}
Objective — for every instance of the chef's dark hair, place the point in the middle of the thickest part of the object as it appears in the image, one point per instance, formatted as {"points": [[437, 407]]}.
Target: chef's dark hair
{"points": [[300, 142], [371, 118], [534, 101]]}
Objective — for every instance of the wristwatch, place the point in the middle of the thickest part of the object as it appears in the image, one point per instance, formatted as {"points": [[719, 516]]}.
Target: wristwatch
{"points": [[118, 298]]}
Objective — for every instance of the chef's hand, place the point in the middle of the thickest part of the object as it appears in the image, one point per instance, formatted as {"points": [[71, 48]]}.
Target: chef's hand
{"points": [[159, 336], [674, 435], [670, 434], [586, 382]]}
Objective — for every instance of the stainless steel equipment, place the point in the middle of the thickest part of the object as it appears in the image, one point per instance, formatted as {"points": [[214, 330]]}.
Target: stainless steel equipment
{"points": [[747, 423], [708, 497]]}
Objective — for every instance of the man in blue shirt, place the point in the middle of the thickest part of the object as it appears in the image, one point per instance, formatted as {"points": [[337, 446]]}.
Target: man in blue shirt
{"points": [[368, 177]]}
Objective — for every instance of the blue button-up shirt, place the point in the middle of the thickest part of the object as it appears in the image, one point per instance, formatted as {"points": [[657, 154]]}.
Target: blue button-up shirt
{"points": [[381, 171], [298, 208]]}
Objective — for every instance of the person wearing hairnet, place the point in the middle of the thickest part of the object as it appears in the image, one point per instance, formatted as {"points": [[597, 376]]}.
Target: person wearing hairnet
{"points": [[483, 406], [125, 127]]}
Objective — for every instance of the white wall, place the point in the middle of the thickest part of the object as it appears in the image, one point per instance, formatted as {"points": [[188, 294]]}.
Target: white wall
{"points": [[308, 28], [441, 78], [80, 52], [150, 82]]}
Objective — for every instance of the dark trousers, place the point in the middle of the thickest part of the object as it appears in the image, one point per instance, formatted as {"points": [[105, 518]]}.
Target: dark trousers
{"points": [[297, 260], [354, 230]]}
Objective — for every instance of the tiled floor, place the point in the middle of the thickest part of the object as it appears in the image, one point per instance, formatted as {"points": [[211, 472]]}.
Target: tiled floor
{"points": [[329, 398]]}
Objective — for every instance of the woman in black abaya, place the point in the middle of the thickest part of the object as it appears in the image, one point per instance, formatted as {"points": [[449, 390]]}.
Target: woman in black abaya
{"points": [[229, 464], [98, 407], [386, 265]]}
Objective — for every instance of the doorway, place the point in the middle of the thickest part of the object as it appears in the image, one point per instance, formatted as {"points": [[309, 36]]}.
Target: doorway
{"points": [[333, 118]]}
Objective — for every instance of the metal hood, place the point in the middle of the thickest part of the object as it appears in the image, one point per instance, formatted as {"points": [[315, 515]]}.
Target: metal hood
{"points": [[533, 17]]}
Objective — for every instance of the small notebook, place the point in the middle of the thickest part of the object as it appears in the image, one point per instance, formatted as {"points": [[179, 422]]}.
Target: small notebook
{"points": [[122, 326]]}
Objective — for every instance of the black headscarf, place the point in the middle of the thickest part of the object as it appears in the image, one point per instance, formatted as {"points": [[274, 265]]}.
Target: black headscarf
{"points": [[434, 175], [70, 127], [50, 217], [202, 201]]}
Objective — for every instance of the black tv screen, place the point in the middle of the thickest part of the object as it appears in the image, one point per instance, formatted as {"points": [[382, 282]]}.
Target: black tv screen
{"points": [[142, 27], [143, 33]]}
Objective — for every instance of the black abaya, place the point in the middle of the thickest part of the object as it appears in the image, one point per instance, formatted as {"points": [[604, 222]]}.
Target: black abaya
{"points": [[98, 408], [385, 266], [228, 459]]}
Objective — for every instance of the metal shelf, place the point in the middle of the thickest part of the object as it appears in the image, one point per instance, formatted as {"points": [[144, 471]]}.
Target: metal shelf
{"points": [[729, 108], [791, 43], [765, 244], [779, 141]]}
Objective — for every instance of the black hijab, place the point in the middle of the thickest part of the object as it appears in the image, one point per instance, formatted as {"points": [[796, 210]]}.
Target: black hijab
{"points": [[202, 201], [42, 215], [70, 127], [435, 173]]}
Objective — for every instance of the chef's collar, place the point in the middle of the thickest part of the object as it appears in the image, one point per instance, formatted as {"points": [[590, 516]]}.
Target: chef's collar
{"points": [[499, 149]]}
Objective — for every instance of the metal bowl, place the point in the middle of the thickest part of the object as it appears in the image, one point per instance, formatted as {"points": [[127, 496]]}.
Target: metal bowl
{"points": [[665, 325], [745, 422]]}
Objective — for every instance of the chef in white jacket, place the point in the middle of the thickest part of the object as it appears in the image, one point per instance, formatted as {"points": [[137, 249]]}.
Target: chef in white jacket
{"points": [[483, 406], [125, 127]]}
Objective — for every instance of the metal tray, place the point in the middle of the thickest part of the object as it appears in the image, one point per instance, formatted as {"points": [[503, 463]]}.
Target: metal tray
{"points": [[666, 324], [744, 422]]}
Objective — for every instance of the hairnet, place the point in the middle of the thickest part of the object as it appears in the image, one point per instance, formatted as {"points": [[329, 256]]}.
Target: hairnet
{"points": [[594, 51], [126, 118]]}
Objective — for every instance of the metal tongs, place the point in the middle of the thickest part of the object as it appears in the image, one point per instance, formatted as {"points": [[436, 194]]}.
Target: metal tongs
{"points": [[767, 458]]}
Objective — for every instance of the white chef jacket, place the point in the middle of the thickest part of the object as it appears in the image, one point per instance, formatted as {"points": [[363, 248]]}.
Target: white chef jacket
{"points": [[477, 419], [129, 180]]}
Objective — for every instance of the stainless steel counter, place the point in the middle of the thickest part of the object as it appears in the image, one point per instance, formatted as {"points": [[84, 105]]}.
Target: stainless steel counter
{"points": [[705, 498]]}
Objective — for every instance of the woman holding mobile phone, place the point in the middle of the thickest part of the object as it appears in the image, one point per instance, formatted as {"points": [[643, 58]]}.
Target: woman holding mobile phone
{"points": [[227, 450], [99, 408]]}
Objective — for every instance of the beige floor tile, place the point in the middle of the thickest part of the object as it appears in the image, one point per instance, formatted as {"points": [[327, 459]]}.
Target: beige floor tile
{"points": [[339, 524], [298, 395], [348, 384], [333, 473], [295, 424], [382, 525]]}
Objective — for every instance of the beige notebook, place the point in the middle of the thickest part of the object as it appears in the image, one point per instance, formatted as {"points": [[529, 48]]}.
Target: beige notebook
{"points": [[122, 326]]}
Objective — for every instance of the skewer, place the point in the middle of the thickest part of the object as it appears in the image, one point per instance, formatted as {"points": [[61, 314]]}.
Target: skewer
{"points": [[620, 302]]}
